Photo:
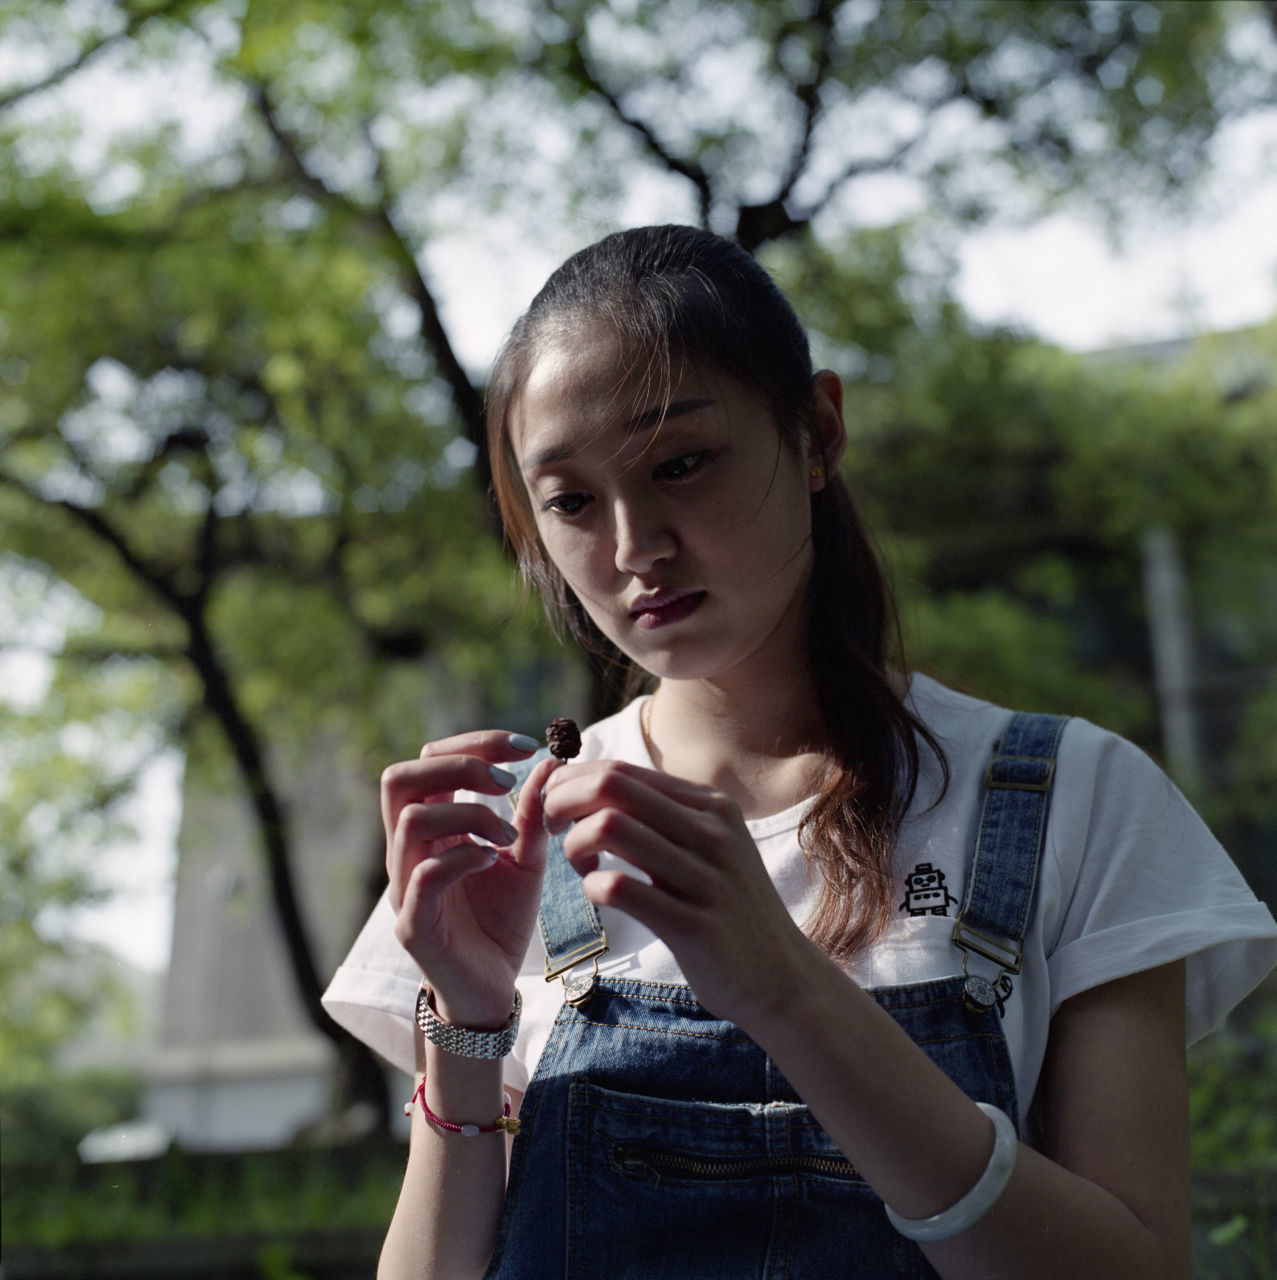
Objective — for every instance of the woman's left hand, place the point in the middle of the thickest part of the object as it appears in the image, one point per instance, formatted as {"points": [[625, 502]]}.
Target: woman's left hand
{"points": [[710, 898]]}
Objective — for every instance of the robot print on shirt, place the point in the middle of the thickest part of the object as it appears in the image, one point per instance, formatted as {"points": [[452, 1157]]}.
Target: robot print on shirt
{"points": [[926, 893]]}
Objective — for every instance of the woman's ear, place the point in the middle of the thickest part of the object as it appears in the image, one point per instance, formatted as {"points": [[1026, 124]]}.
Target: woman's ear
{"points": [[828, 436]]}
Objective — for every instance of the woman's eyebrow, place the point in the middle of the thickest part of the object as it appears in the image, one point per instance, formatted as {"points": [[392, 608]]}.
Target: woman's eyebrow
{"points": [[662, 412], [557, 453]]}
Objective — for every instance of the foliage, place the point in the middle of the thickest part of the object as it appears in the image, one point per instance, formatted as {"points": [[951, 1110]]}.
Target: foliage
{"points": [[44, 1119], [1016, 484], [1232, 1105], [1233, 1099], [186, 1196], [179, 453], [70, 748]]}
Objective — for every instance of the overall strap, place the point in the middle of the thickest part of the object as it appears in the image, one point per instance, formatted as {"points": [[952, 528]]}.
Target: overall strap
{"points": [[569, 923], [998, 902]]}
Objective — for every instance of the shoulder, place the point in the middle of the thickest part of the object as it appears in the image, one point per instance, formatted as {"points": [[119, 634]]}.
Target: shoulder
{"points": [[1089, 758], [1111, 810]]}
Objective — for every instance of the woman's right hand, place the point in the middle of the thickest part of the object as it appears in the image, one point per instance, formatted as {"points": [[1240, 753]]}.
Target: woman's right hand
{"points": [[465, 911]]}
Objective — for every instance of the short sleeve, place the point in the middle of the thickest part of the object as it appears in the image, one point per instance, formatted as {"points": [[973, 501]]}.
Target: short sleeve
{"points": [[373, 994], [1140, 881]]}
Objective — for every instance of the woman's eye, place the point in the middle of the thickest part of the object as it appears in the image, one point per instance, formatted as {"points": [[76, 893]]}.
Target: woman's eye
{"points": [[567, 504], [683, 465]]}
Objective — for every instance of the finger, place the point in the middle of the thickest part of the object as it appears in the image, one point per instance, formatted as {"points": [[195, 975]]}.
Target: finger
{"points": [[487, 744], [645, 851], [431, 878], [425, 823], [424, 830], [531, 793], [676, 811], [437, 778], [604, 773], [649, 904], [529, 818]]}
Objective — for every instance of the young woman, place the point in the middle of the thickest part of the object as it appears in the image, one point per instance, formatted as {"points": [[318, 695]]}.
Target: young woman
{"points": [[861, 976]]}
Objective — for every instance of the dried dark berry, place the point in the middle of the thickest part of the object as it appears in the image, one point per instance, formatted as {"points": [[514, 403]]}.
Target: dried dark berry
{"points": [[563, 738]]}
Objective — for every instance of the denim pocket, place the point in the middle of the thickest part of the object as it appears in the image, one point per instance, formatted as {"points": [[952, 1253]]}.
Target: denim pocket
{"points": [[703, 1190]]}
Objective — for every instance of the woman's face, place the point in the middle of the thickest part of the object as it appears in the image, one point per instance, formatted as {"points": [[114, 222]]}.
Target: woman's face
{"points": [[677, 516]]}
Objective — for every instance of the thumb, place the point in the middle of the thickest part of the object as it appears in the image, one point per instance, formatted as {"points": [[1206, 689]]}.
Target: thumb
{"points": [[529, 817]]}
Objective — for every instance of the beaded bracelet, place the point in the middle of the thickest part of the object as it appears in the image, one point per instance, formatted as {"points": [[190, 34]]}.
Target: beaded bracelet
{"points": [[504, 1123], [980, 1199]]}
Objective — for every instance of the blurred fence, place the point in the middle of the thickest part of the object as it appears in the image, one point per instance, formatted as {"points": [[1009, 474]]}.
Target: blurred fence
{"points": [[298, 1214], [307, 1256], [321, 1214]]}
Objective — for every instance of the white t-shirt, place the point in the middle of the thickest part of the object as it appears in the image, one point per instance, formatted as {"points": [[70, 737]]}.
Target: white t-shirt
{"points": [[1130, 878]]}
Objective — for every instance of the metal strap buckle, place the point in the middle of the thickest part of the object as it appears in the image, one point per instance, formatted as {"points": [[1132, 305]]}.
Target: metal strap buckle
{"points": [[1044, 785], [1004, 954], [579, 989], [979, 994]]}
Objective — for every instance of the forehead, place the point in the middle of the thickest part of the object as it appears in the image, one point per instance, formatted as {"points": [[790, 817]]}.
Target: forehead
{"points": [[584, 379]]}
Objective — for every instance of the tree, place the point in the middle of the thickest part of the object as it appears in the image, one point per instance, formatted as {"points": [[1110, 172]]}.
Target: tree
{"points": [[233, 408], [215, 508]]}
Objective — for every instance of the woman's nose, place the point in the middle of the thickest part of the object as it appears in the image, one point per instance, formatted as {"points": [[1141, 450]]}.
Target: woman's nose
{"points": [[643, 538]]}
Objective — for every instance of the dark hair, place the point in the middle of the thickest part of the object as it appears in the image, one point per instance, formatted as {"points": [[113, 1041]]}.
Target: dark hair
{"points": [[681, 294]]}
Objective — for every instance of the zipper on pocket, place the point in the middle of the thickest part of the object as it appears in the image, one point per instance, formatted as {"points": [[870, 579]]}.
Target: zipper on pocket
{"points": [[654, 1163]]}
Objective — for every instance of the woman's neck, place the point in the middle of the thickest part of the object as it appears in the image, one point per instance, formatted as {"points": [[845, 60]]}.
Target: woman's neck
{"points": [[765, 750]]}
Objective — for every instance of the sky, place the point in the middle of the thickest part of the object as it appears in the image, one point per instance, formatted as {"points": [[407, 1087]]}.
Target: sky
{"points": [[1218, 270], [1060, 278]]}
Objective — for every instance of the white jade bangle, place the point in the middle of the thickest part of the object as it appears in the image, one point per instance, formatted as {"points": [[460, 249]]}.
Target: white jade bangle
{"points": [[980, 1199]]}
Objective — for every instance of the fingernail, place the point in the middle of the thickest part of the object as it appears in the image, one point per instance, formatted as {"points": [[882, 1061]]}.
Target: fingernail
{"points": [[511, 833], [502, 777], [521, 742]]}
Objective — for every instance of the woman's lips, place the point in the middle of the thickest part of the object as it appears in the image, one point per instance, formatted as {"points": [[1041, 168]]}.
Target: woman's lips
{"points": [[665, 609]]}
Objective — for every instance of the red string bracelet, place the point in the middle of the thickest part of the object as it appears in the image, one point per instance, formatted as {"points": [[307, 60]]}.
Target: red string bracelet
{"points": [[504, 1123]]}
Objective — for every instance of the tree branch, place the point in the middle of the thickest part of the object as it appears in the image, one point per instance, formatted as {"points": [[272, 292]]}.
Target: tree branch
{"points": [[380, 221], [580, 69], [465, 396], [264, 796], [206, 554], [136, 21], [859, 168], [246, 748], [808, 92], [102, 529]]}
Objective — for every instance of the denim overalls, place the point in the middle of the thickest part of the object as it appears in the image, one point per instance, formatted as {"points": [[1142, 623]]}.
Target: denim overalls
{"points": [[660, 1142]]}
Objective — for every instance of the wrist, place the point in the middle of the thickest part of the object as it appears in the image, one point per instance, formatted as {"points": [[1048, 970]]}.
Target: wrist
{"points": [[466, 1039], [802, 984], [502, 1123], [462, 1089], [480, 1015]]}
